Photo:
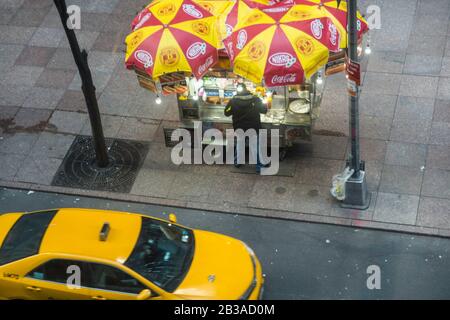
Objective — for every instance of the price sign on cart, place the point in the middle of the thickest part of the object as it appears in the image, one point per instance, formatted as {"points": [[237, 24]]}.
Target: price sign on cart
{"points": [[353, 71]]}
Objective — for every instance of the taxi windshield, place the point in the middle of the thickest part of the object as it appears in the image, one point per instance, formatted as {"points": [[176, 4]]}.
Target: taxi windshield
{"points": [[163, 253]]}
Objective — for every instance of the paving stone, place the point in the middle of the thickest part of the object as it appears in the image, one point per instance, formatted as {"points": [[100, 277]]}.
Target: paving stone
{"points": [[110, 41], [52, 145], [29, 17], [43, 98], [438, 157], [10, 165], [91, 21], [396, 208], [447, 47], [11, 4], [191, 187], [57, 79], [413, 108], [41, 4], [329, 147], [111, 126], [232, 190], [382, 83], [86, 39], [400, 179], [333, 123], [376, 104], [31, 119], [117, 23], [423, 65], [386, 61], [15, 35], [434, 213], [159, 158], [47, 37], [418, 86], [13, 95], [6, 15], [444, 88], [72, 101], [440, 133], [445, 69], [432, 25], [273, 193], [432, 7], [426, 45], [312, 199], [138, 129], [52, 19], [373, 171], [414, 131], [35, 56], [67, 122], [8, 112], [62, 59], [20, 76], [153, 183], [17, 143], [130, 7], [38, 170], [436, 183], [315, 171], [406, 154], [9, 54], [374, 127]]}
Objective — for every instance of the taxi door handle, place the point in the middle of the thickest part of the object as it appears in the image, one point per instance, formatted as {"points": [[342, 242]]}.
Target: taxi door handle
{"points": [[99, 298], [35, 289]]}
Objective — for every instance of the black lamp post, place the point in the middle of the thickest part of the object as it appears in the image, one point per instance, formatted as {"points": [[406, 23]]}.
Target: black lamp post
{"points": [[357, 195], [81, 59]]}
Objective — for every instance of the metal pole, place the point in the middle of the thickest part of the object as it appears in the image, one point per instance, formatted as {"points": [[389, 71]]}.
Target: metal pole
{"points": [[81, 59], [357, 195], [353, 100]]}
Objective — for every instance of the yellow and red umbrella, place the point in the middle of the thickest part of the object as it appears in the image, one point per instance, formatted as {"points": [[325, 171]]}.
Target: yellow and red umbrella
{"points": [[281, 47], [173, 36], [336, 12]]}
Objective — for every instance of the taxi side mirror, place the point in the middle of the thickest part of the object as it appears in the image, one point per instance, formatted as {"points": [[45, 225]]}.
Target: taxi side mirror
{"points": [[172, 218], [144, 295]]}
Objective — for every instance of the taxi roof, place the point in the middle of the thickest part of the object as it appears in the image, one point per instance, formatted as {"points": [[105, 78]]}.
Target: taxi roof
{"points": [[77, 232]]}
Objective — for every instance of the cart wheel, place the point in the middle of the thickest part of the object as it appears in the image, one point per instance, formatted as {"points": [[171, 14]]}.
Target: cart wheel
{"points": [[283, 153]]}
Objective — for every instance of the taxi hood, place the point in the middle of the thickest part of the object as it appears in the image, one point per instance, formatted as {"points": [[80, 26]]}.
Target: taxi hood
{"points": [[221, 268]]}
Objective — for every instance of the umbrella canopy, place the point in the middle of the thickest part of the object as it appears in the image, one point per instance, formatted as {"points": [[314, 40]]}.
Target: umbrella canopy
{"points": [[338, 14], [281, 47], [173, 36]]}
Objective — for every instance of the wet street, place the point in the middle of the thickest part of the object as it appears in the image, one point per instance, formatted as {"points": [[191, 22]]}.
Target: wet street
{"points": [[300, 260]]}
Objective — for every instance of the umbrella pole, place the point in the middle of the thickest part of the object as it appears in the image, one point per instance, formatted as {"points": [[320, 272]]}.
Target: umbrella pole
{"points": [[357, 195], [81, 60]]}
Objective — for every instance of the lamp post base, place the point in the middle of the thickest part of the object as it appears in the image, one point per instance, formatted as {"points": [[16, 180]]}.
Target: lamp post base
{"points": [[356, 194]]}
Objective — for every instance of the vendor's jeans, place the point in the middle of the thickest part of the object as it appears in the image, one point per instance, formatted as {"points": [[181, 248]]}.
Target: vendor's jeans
{"points": [[254, 149]]}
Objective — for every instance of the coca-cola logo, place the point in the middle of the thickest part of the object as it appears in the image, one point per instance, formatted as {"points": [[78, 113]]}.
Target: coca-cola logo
{"points": [[144, 57], [143, 20], [192, 11], [230, 50], [316, 28], [282, 79], [241, 39], [282, 59], [195, 50], [208, 63]]}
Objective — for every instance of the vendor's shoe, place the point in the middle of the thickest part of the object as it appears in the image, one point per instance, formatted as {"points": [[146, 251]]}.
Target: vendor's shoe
{"points": [[237, 165]]}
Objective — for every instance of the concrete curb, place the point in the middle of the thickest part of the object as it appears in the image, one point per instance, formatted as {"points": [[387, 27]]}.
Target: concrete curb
{"points": [[232, 209]]}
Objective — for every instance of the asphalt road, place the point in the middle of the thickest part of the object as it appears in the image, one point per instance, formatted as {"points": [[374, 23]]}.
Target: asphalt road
{"points": [[300, 260]]}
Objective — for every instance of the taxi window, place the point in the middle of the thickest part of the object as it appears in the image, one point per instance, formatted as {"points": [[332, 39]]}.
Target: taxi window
{"points": [[61, 271], [109, 278], [24, 238]]}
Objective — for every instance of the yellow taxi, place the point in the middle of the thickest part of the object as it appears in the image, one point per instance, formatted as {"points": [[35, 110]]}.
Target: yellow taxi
{"points": [[102, 255]]}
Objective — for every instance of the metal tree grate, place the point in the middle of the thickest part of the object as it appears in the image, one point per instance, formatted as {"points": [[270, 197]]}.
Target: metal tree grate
{"points": [[79, 168]]}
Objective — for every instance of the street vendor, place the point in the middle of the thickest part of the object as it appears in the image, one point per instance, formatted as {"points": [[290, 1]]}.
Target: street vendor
{"points": [[245, 109]]}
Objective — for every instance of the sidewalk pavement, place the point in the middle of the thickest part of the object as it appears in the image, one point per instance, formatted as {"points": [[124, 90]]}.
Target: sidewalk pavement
{"points": [[405, 120]]}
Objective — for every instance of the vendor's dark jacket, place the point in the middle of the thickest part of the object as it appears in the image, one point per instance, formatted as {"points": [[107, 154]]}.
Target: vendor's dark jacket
{"points": [[245, 109]]}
